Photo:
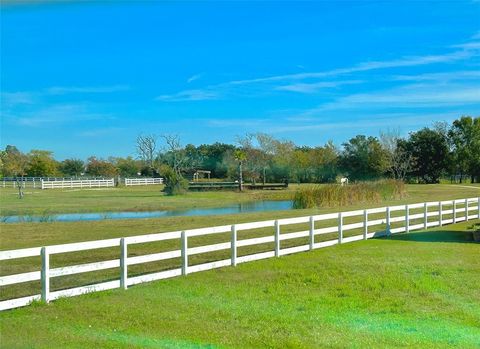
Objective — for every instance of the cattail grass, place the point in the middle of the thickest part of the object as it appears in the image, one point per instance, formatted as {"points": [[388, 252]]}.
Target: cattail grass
{"points": [[332, 195]]}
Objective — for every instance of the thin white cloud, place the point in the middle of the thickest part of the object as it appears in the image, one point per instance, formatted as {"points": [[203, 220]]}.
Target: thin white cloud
{"points": [[365, 122], [316, 86], [194, 77], [462, 52], [10, 99], [189, 95], [441, 77], [53, 115], [100, 132], [61, 90], [429, 95]]}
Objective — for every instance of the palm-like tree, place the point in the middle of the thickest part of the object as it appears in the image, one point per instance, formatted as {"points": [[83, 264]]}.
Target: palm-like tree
{"points": [[240, 156]]}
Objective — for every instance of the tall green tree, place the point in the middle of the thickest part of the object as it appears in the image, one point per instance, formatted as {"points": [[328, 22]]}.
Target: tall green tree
{"points": [[364, 158], [465, 137], [41, 164], [100, 168], [14, 162], [127, 167], [72, 167], [430, 154]]}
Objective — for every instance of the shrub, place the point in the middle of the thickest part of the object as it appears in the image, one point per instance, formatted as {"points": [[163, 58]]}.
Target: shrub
{"points": [[335, 195], [175, 184]]}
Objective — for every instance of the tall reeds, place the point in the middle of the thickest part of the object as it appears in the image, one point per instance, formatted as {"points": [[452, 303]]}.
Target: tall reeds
{"points": [[332, 195]]}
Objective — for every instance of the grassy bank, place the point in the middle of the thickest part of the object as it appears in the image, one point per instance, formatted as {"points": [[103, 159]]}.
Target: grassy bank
{"points": [[147, 198], [413, 290], [46, 202]]}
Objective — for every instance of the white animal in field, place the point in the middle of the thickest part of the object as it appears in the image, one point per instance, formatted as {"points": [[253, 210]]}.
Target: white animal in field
{"points": [[343, 181]]}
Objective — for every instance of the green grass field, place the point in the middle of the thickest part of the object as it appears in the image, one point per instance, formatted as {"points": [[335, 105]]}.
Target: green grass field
{"points": [[318, 321], [24, 235], [150, 198], [412, 290]]}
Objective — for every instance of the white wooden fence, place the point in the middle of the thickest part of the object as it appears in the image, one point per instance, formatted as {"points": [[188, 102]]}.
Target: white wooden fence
{"points": [[429, 209], [142, 181], [78, 183]]}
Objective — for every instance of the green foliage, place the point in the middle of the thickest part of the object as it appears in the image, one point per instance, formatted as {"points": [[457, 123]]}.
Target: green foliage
{"points": [[364, 158], [175, 184], [127, 167], [72, 167], [430, 154], [465, 137], [332, 195], [41, 164], [101, 168], [14, 162]]}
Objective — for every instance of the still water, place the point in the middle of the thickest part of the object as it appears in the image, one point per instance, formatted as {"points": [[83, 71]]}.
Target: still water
{"points": [[256, 206]]}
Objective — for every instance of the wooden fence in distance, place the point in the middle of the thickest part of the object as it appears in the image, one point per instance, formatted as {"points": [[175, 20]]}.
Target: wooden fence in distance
{"points": [[78, 183], [142, 181]]}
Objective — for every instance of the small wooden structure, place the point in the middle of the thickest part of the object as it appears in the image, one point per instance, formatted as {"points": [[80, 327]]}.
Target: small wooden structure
{"points": [[196, 175]]}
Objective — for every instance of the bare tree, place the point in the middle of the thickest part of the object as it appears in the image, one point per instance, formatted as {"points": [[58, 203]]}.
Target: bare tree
{"points": [[147, 148], [178, 158], [399, 159]]}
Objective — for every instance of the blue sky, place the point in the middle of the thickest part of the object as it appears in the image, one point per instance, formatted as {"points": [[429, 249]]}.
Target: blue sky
{"points": [[85, 78]]}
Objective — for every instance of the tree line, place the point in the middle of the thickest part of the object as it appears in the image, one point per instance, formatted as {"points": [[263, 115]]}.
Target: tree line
{"points": [[424, 156]]}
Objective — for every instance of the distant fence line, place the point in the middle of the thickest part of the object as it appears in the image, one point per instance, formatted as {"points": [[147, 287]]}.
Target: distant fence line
{"points": [[36, 182], [343, 224], [142, 181], [89, 183]]}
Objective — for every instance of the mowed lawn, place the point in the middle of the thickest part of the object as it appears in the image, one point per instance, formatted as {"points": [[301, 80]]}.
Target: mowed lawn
{"points": [[150, 198], [412, 290]]}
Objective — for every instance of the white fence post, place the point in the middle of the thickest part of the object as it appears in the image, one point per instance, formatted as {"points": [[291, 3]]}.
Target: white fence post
{"points": [[466, 210], [45, 275], [184, 253], [425, 216], [478, 207], [123, 264], [365, 224], [440, 215], [407, 219], [312, 232], [234, 245], [454, 211], [277, 239], [388, 222], [340, 228]]}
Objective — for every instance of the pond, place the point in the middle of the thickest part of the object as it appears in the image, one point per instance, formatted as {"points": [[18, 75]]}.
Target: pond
{"points": [[254, 206]]}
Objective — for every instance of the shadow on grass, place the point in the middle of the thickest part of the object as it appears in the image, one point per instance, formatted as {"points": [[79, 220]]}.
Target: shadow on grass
{"points": [[436, 236]]}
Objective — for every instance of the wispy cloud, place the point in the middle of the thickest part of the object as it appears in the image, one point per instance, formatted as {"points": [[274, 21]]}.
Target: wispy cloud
{"points": [[416, 95], [364, 122], [10, 99], [100, 132], [316, 86], [296, 82], [189, 95], [194, 77], [54, 115], [61, 90], [441, 77]]}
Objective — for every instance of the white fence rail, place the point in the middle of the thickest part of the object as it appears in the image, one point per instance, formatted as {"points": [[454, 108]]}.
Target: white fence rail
{"points": [[80, 183], [142, 181], [432, 214]]}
